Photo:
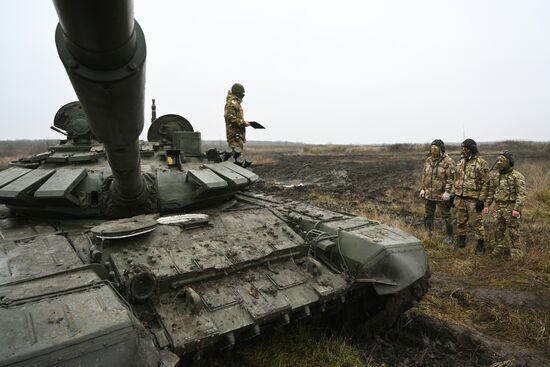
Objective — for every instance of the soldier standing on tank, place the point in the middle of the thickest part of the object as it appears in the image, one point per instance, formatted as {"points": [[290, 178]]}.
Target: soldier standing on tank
{"points": [[507, 192], [437, 184], [469, 194], [235, 123]]}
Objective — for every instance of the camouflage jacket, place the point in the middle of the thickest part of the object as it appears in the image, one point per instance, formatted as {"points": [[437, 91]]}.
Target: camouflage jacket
{"points": [[437, 176], [471, 178], [507, 187], [233, 112]]}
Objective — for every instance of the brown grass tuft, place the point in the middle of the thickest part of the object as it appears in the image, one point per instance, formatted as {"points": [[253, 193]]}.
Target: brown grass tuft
{"points": [[298, 346]]}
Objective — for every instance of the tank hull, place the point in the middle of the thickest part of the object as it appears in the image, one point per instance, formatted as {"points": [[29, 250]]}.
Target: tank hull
{"points": [[258, 262]]}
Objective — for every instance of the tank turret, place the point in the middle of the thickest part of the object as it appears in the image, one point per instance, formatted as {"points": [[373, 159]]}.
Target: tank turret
{"points": [[103, 51]]}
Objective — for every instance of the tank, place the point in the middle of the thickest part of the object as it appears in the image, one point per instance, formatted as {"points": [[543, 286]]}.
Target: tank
{"points": [[117, 251]]}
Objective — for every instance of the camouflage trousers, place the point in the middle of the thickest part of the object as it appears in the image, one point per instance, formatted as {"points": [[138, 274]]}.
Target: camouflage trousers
{"points": [[465, 211], [505, 221], [235, 136], [444, 208]]}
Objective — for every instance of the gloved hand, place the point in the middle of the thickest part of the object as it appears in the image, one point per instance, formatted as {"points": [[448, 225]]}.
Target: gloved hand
{"points": [[516, 214], [479, 205], [422, 194], [446, 196]]}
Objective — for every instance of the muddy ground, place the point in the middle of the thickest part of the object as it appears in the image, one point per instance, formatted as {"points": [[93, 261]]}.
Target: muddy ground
{"points": [[479, 311]]}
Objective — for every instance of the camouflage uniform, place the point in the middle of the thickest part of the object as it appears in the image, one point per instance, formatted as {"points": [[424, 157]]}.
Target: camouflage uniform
{"points": [[470, 186], [437, 178], [507, 191], [234, 121]]}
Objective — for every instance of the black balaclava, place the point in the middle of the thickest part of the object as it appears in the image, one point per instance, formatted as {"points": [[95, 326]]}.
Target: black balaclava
{"points": [[238, 90]]}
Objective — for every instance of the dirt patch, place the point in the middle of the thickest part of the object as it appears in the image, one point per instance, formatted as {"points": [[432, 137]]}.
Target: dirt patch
{"points": [[361, 175], [420, 340], [533, 299]]}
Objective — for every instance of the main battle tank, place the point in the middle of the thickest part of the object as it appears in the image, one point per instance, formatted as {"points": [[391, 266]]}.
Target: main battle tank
{"points": [[121, 252]]}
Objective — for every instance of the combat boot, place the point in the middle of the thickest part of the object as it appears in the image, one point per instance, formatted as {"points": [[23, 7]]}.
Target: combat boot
{"points": [[461, 241], [480, 247], [449, 235], [429, 225]]}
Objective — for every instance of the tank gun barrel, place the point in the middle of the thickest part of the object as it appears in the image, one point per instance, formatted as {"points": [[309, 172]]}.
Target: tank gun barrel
{"points": [[103, 50]]}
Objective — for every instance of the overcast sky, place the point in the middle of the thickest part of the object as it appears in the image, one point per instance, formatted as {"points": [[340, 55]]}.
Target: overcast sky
{"points": [[348, 72]]}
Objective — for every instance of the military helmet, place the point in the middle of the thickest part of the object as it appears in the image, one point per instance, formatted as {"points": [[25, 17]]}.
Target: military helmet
{"points": [[238, 90], [440, 144], [509, 155], [471, 145]]}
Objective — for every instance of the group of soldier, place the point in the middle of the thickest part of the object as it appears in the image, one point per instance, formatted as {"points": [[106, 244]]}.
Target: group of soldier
{"points": [[472, 188], [469, 186]]}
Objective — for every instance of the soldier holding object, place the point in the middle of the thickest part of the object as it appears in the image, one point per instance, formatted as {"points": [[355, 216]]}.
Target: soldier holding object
{"points": [[235, 124]]}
